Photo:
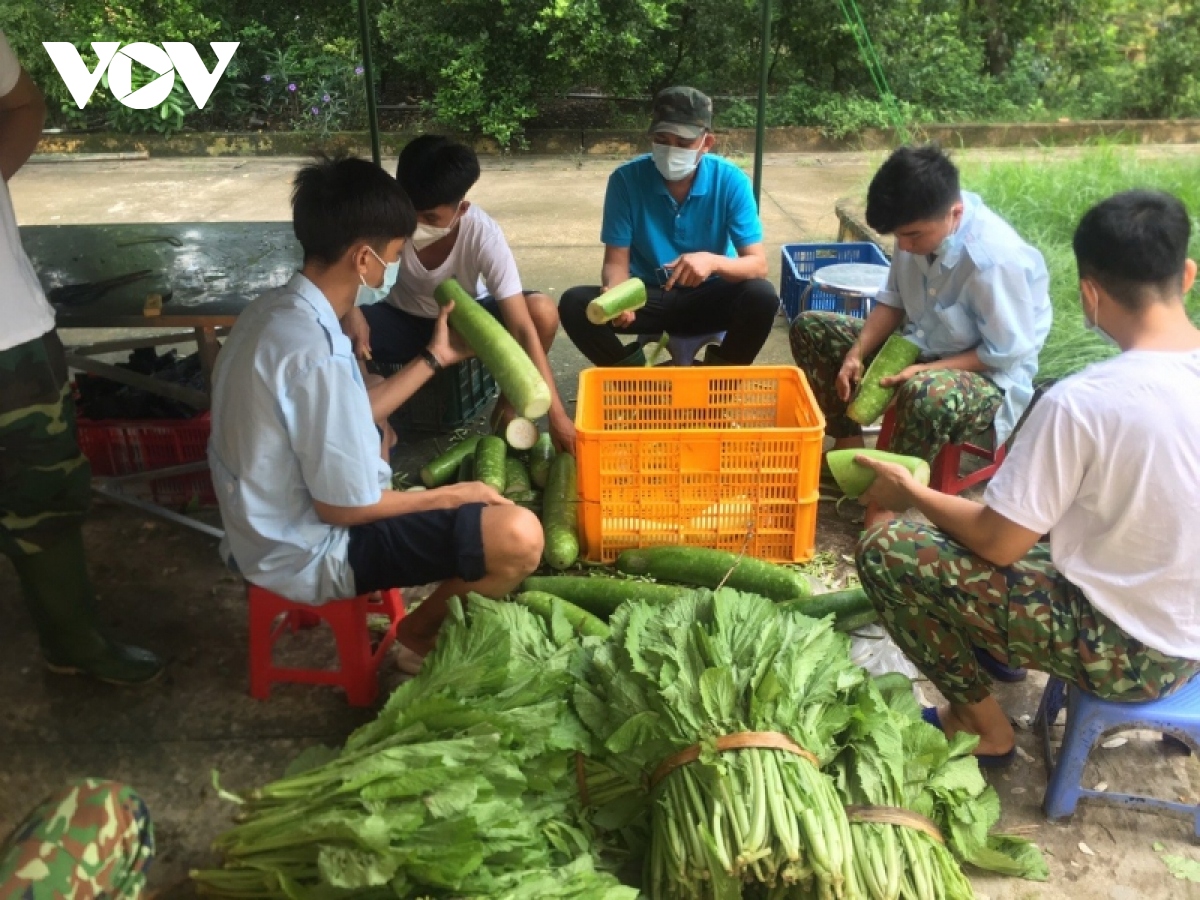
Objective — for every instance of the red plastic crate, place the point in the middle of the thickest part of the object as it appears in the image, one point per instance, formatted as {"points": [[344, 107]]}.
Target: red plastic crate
{"points": [[127, 446]]}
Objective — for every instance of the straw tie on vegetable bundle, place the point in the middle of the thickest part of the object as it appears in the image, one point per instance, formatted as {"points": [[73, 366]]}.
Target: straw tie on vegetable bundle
{"points": [[916, 801], [694, 677]]}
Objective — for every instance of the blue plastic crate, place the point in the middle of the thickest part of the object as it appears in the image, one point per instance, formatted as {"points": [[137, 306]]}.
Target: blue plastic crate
{"points": [[801, 260]]}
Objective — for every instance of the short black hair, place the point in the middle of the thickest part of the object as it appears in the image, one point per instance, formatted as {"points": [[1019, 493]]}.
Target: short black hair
{"points": [[1135, 245], [915, 184], [435, 170], [337, 201]]}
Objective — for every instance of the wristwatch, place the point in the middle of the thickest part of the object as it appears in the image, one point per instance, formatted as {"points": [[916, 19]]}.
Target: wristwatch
{"points": [[427, 355]]}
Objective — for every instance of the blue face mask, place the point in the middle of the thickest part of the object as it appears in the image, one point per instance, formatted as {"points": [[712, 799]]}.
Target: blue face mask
{"points": [[367, 294]]}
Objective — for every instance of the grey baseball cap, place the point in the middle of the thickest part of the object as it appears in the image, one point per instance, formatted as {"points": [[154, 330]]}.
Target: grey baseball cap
{"points": [[683, 111]]}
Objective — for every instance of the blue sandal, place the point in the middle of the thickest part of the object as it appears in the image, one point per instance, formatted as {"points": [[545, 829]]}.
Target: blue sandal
{"points": [[985, 760], [998, 670]]}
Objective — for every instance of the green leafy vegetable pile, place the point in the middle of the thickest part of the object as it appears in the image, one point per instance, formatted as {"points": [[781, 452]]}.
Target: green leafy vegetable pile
{"points": [[718, 737], [463, 786]]}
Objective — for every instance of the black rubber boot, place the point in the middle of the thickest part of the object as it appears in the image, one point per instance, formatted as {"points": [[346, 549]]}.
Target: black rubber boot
{"points": [[635, 360], [712, 357], [59, 595]]}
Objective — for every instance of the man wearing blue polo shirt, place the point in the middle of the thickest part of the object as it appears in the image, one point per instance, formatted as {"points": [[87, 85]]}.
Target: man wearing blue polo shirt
{"points": [[684, 221]]}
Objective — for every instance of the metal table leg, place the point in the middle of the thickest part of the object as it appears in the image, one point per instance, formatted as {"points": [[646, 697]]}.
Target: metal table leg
{"points": [[111, 488]]}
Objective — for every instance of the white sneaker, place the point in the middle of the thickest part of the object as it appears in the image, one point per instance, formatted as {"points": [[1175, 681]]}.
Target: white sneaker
{"points": [[408, 661]]}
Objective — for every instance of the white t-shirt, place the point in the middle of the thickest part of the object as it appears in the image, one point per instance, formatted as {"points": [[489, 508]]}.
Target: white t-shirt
{"points": [[1109, 464], [24, 312], [481, 261]]}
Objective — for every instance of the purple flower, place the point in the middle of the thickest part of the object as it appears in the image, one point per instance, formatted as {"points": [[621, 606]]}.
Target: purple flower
{"points": [[325, 99], [315, 111], [292, 87], [358, 70], [266, 78]]}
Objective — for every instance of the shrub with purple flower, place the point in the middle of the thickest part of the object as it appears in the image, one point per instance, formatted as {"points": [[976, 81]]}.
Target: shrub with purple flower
{"points": [[322, 91]]}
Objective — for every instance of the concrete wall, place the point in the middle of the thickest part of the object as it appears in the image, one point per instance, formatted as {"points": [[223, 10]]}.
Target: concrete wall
{"points": [[624, 143]]}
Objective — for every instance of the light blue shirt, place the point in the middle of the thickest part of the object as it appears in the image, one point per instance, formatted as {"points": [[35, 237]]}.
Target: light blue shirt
{"points": [[717, 216], [987, 290], [291, 423]]}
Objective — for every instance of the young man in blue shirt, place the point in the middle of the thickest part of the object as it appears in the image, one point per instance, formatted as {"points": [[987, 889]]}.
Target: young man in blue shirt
{"points": [[305, 494], [684, 222], [964, 287]]}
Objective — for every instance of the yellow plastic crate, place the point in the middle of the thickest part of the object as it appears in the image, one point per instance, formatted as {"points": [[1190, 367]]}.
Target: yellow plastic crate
{"points": [[702, 456]]}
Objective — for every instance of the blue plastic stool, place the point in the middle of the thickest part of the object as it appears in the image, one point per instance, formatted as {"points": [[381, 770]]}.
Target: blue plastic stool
{"points": [[683, 348], [1088, 718]]}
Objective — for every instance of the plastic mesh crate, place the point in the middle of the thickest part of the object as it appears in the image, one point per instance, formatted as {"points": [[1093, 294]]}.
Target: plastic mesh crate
{"points": [[801, 260], [699, 456], [451, 397], [128, 446]]}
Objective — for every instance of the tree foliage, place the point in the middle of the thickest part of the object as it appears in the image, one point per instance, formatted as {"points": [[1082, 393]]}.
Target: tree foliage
{"points": [[493, 65]]}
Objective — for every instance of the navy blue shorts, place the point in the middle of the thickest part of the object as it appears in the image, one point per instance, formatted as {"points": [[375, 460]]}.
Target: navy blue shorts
{"points": [[418, 548], [398, 337]]}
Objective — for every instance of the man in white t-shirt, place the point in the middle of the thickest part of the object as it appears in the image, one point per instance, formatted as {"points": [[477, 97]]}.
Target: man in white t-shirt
{"points": [[1108, 465], [44, 479], [456, 239]]}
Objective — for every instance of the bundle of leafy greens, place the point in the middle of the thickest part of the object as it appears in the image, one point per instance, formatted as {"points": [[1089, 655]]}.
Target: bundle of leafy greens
{"points": [[463, 786], [942, 782], [688, 673], [891, 861]]}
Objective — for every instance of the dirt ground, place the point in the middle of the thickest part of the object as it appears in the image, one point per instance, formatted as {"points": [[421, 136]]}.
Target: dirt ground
{"points": [[164, 586]]}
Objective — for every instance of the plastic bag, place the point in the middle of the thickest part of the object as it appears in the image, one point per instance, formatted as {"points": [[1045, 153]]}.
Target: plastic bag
{"points": [[873, 648]]}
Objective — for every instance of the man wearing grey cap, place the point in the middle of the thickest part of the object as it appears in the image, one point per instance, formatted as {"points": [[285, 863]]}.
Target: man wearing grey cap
{"points": [[685, 222]]}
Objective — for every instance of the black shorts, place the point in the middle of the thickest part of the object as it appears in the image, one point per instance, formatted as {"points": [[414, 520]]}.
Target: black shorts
{"points": [[398, 336], [418, 548]]}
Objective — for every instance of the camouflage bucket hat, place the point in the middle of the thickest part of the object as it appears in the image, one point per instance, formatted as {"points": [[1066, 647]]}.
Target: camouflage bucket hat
{"points": [[683, 111]]}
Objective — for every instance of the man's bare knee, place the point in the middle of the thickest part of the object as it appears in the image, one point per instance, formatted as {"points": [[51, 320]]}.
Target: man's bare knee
{"points": [[512, 541], [544, 312]]}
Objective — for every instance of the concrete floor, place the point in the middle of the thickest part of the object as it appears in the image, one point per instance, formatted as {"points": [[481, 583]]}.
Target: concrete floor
{"points": [[164, 587]]}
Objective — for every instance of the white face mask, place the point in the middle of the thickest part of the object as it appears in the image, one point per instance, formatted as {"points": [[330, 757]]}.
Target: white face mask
{"points": [[367, 294], [675, 163], [1094, 328], [428, 234]]}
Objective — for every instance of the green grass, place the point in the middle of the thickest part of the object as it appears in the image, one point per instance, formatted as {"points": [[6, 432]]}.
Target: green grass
{"points": [[1044, 198]]}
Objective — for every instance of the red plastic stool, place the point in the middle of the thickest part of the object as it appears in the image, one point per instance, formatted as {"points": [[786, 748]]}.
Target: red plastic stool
{"points": [[944, 473], [358, 666]]}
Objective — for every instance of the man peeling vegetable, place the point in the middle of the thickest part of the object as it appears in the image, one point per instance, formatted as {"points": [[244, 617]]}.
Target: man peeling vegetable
{"points": [[304, 493], [964, 288], [455, 238], [684, 222], [1107, 464]]}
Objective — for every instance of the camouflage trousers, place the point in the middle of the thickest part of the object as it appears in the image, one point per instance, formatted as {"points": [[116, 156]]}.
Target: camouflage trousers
{"points": [[938, 601], [45, 481], [92, 840], [943, 406]]}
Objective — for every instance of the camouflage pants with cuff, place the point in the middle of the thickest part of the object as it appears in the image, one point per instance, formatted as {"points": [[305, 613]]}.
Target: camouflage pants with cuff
{"points": [[934, 408], [92, 840], [45, 482], [938, 600]]}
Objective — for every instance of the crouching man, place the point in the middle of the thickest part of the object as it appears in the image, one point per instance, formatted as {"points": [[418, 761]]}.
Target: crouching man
{"points": [[1107, 464]]}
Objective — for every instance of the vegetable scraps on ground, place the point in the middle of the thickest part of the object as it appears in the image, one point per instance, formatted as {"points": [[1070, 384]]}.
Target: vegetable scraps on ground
{"points": [[726, 740], [519, 379]]}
